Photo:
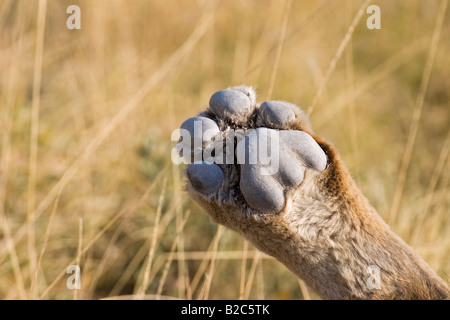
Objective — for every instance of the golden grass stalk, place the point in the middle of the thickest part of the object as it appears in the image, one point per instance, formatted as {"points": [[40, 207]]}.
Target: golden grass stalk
{"points": [[337, 56], [33, 160], [417, 113]]}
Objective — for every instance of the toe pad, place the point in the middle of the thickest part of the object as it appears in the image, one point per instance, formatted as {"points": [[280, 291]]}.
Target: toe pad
{"points": [[232, 104], [275, 114], [205, 178]]}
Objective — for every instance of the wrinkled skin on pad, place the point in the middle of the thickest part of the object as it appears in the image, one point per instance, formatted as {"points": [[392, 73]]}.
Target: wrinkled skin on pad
{"points": [[246, 184]]}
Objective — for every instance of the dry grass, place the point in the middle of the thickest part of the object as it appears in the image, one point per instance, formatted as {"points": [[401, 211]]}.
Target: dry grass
{"points": [[86, 117]]}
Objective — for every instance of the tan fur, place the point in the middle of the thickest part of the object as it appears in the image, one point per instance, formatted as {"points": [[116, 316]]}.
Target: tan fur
{"points": [[328, 235]]}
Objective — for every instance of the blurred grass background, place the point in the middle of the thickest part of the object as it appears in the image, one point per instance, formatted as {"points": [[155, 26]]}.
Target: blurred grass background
{"points": [[86, 117]]}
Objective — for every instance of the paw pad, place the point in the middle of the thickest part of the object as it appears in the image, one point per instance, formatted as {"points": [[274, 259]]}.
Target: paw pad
{"points": [[270, 157], [275, 114], [232, 105]]}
